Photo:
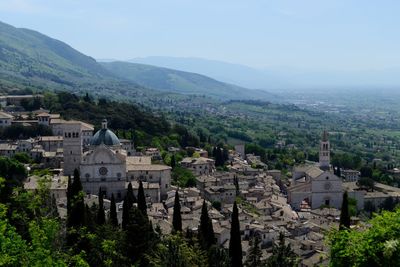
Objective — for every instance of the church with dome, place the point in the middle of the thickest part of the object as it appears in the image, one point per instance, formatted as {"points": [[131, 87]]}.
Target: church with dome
{"points": [[106, 165]]}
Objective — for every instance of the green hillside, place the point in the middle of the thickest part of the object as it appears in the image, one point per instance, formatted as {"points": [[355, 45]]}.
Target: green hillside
{"points": [[31, 60], [29, 56], [164, 79]]}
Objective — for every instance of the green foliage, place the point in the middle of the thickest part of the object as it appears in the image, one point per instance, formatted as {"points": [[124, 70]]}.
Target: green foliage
{"points": [[113, 220], [346, 160], [206, 232], [235, 241], [374, 246], [19, 131], [140, 237], [13, 173], [254, 253], [344, 213], [142, 206], [179, 81], [282, 255], [183, 177], [177, 219], [366, 183], [174, 251], [101, 216], [22, 157]]}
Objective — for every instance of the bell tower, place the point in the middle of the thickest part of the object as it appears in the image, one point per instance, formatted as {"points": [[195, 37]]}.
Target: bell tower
{"points": [[324, 152]]}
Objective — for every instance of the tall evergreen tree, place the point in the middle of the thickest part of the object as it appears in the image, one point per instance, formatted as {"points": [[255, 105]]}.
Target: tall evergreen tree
{"points": [[218, 257], [142, 199], [125, 212], [344, 213], [131, 196], [206, 231], [76, 214], [236, 183], [282, 255], [140, 236], [53, 208], [113, 212], [173, 161], [254, 256], [177, 219], [235, 241], [101, 216]]}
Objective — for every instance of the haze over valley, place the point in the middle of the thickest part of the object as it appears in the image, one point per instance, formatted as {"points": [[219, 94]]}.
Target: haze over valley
{"points": [[199, 133]]}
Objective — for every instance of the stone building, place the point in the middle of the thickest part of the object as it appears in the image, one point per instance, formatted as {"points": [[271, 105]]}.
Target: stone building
{"points": [[199, 166], [106, 166], [103, 166], [313, 187], [324, 152]]}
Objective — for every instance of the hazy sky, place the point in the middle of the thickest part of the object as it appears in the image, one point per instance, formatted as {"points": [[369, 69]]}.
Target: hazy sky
{"points": [[306, 34]]}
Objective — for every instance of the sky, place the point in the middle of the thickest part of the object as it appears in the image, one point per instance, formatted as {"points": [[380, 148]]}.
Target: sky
{"points": [[302, 34]]}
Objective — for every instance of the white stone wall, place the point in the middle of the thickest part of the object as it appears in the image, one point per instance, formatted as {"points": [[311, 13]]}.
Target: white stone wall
{"points": [[327, 189], [112, 181]]}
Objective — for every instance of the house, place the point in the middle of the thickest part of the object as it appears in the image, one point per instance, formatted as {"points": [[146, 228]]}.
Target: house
{"points": [[5, 119], [199, 166], [351, 175]]}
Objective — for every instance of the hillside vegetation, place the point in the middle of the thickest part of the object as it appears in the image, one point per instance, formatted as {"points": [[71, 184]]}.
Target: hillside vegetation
{"points": [[165, 79]]}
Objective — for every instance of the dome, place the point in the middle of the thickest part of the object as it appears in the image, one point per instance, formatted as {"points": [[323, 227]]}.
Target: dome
{"points": [[104, 136]]}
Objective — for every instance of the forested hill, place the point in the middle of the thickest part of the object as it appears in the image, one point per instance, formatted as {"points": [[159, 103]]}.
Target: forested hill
{"points": [[127, 120], [30, 56], [29, 59], [171, 80]]}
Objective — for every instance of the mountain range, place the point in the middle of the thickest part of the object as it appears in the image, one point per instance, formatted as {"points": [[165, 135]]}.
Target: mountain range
{"points": [[31, 59], [170, 80], [280, 79]]}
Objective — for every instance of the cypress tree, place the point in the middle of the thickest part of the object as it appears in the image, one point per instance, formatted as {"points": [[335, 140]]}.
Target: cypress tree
{"points": [[113, 212], [101, 217], [140, 236], [282, 255], [235, 242], [206, 231], [131, 196], [142, 199], [173, 161], [125, 212], [53, 207], [76, 214], [255, 253], [344, 213], [177, 219]]}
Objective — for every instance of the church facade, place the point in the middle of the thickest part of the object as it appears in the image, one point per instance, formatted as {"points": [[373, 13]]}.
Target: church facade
{"points": [[316, 186], [105, 166]]}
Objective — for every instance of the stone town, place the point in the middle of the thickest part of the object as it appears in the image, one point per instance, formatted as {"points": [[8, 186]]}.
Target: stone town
{"points": [[302, 206]]}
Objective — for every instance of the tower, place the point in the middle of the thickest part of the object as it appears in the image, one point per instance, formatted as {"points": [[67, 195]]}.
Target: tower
{"points": [[72, 146], [324, 152]]}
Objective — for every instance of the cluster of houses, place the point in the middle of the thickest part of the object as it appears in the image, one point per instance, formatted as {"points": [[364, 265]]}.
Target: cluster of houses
{"points": [[303, 209]]}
